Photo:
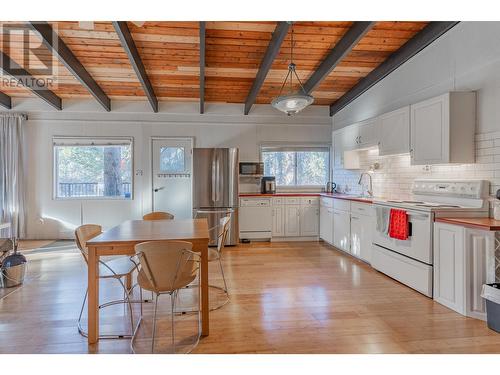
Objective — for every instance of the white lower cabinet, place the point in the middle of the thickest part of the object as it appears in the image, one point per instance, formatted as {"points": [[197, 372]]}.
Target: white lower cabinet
{"points": [[480, 269], [449, 266], [292, 220], [342, 230], [278, 221], [361, 236], [295, 217], [309, 217], [463, 261], [326, 220]]}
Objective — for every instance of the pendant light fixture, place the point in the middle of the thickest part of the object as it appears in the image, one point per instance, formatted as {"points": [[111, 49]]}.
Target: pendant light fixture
{"points": [[294, 101]]}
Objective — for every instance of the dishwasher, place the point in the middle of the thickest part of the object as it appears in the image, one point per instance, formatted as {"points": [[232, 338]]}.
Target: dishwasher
{"points": [[255, 218]]}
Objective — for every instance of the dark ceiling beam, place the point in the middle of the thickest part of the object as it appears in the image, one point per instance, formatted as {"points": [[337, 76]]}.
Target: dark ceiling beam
{"points": [[13, 69], [135, 59], [54, 43], [202, 66], [337, 53], [272, 51], [421, 40], [5, 100]]}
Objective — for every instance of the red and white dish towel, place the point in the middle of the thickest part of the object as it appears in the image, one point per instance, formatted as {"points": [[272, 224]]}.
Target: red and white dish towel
{"points": [[398, 224]]}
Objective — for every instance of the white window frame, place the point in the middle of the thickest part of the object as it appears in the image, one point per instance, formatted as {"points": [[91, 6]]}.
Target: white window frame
{"points": [[298, 147], [89, 141]]}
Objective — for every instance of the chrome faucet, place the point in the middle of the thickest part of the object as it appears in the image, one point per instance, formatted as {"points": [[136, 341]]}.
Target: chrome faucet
{"points": [[369, 191]]}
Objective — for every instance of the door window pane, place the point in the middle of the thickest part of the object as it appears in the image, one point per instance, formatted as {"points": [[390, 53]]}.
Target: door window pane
{"points": [[93, 171], [172, 159]]}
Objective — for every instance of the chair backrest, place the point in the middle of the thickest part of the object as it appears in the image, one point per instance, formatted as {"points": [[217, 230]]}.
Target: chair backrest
{"points": [[224, 229], [84, 233], [167, 265], [158, 215]]}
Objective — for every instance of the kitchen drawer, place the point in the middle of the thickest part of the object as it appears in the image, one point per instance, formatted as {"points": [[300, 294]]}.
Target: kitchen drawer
{"points": [[341, 205], [255, 202], [294, 200], [326, 202], [277, 201], [362, 208], [309, 201]]}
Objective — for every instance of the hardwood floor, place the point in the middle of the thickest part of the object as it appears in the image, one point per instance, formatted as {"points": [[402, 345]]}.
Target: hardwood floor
{"points": [[285, 298]]}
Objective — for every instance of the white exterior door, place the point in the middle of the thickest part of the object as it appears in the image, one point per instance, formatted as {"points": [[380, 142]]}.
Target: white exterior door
{"points": [[172, 166]]}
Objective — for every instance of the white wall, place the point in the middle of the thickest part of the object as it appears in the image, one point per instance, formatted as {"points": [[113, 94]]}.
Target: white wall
{"points": [[465, 58], [221, 126]]}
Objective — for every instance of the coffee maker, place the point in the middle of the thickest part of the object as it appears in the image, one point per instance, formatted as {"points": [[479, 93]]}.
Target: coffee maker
{"points": [[268, 185]]}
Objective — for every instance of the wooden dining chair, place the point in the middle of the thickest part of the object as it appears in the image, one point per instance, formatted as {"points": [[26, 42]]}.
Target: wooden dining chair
{"points": [[116, 268], [165, 267], [158, 215]]}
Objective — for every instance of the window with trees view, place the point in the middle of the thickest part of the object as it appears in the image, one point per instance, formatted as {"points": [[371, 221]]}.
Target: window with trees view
{"points": [[92, 168], [297, 166]]}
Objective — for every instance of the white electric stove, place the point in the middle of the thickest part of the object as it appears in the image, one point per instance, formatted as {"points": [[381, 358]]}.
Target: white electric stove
{"points": [[410, 261]]}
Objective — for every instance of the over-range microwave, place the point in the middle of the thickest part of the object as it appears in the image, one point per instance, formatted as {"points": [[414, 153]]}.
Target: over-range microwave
{"points": [[251, 169]]}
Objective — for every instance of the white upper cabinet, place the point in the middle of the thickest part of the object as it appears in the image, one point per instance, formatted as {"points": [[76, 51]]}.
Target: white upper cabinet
{"points": [[338, 150], [442, 129], [367, 133], [350, 137], [343, 144], [394, 132]]}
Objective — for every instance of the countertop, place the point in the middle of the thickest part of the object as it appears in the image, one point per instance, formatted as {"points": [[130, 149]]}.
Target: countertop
{"points": [[484, 223], [318, 194]]}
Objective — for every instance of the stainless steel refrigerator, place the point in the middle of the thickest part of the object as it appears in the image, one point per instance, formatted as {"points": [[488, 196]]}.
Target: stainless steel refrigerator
{"points": [[215, 188]]}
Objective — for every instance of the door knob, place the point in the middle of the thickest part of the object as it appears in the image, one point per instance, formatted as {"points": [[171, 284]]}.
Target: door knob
{"points": [[158, 189]]}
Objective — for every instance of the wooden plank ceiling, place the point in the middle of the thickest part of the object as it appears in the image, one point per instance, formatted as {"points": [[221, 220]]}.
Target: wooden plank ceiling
{"points": [[234, 51]]}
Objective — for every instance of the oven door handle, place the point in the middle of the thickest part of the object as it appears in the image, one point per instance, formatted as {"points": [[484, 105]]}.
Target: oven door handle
{"points": [[418, 216]]}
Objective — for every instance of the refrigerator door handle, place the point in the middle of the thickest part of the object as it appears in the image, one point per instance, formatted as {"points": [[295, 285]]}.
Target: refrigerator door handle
{"points": [[218, 178], [214, 178]]}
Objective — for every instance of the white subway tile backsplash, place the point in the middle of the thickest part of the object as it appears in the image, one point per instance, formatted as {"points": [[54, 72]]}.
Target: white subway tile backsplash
{"points": [[396, 174]]}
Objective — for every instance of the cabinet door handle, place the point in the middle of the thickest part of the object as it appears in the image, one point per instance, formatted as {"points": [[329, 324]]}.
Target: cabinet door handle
{"points": [[354, 218]]}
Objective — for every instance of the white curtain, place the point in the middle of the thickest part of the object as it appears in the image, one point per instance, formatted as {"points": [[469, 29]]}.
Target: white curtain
{"points": [[12, 198]]}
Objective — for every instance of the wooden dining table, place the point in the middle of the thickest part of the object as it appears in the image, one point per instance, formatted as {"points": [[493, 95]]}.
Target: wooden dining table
{"points": [[122, 239]]}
